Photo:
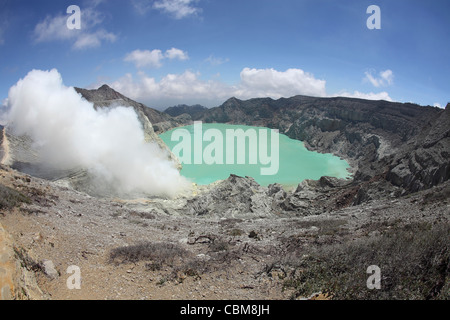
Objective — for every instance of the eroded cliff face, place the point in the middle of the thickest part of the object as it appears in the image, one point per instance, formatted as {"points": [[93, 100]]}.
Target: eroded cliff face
{"points": [[424, 161]]}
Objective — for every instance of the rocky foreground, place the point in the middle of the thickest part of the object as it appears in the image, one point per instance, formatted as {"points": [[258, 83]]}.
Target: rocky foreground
{"points": [[155, 249]]}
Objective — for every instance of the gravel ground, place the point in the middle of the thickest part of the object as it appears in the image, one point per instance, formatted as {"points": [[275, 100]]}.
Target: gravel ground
{"points": [[223, 257]]}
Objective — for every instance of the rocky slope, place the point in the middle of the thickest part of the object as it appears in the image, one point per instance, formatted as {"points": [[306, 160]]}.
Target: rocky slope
{"points": [[157, 249], [105, 96], [152, 119]]}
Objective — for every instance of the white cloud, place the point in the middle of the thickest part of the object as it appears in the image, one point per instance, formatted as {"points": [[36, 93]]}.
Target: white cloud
{"points": [[188, 87], [437, 104], [142, 6], [368, 96], [91, 40], [214, 61], [145, 58], [175, 53], [54, 28], [177, 8], [277, 84], [386, 78], [95, 3], [171, 89], [154, 58]]}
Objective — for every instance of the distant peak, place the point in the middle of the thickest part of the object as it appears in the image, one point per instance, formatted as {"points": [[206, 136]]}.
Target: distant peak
{"points": [[109, 92], [105, 87], [232, 100]]}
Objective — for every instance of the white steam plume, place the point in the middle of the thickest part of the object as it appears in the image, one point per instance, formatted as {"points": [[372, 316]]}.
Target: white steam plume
{"points": [[108, 142]]}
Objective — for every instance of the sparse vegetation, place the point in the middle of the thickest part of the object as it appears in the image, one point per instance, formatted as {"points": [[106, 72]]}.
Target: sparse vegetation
{"points": [[437, 195], [153, 266], [10, 198], [138, 222], [40, 196], [236, 232], [143, 215], [414, 263], [219, 245], [26, 261], [191, 268], [325, 226], [161, 252]]}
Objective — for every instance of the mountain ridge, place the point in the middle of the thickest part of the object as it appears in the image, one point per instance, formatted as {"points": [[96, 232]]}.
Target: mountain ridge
{"points": [[180, 109]]}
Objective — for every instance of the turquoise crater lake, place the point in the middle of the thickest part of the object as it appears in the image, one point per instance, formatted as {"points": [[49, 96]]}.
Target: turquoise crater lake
{"points": [[295, 162]]}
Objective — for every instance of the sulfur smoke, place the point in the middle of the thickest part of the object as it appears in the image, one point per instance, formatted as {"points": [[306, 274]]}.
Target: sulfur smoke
{"points": [[108, 142]]}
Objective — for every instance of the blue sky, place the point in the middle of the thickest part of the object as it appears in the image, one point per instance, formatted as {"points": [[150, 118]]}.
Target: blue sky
{"points": [[167, 52]]}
